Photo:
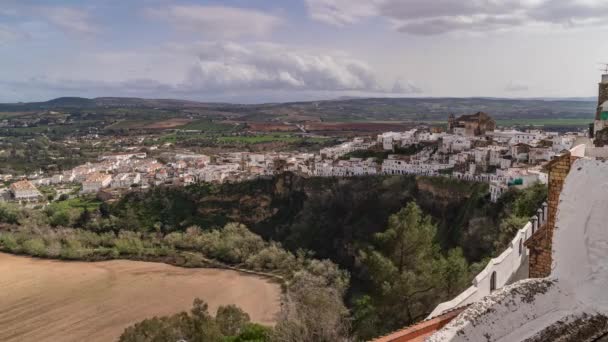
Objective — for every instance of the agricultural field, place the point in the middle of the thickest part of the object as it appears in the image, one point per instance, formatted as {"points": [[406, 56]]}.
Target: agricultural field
{"points": [[44, 300], [549, 122], [211, 126]]}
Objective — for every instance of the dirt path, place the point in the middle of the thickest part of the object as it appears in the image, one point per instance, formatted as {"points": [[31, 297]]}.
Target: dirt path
{"points": [[45, 300]]}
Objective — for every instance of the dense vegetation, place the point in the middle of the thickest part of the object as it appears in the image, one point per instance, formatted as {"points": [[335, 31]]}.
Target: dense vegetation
{"points": [[407, 243], [230, 324]]}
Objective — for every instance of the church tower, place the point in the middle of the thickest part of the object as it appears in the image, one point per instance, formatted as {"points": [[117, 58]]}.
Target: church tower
{"points": [[451, 123]]}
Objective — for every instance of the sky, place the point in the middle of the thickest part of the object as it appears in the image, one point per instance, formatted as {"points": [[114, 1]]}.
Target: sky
{"points": [[251, 51]]}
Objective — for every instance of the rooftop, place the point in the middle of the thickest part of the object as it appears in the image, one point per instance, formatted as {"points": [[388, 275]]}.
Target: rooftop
{"points": [[23, 185], [97, 177]]}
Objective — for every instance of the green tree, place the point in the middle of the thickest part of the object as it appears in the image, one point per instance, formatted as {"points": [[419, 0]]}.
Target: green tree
{"points": [[252, 333], [530, 199], [60, 219], [454, 273], [9, 214], [83, 219], [408, 272], [203, 327], [231, 319], [507, 230], [312, 310]]}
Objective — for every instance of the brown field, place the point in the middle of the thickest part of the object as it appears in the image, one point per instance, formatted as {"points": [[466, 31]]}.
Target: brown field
{"points": [[271, 127], [45, 300], [170, 123], [357, 126]]}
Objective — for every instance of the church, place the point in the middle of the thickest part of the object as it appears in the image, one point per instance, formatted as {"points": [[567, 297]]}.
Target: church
{"points": [[471, 125]]}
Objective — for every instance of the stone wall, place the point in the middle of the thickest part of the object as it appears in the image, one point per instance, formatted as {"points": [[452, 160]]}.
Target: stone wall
{"points": [[540, 243]]}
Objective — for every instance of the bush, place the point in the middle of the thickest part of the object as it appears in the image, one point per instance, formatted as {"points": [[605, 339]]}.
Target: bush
{"points": [[72, 249], [129, 243], [60, 219], [35, 247], [272, 258], [231, 319], [9, 242], [53, 249], [9, 214], [232, 244]]}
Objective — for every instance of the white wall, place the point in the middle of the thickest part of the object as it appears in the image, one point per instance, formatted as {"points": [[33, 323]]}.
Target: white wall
{"points": [[505, 265]]}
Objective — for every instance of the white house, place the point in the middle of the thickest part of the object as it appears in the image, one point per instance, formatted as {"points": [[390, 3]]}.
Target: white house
{"points": [[96, 181], [24, 191], [125, 180]]}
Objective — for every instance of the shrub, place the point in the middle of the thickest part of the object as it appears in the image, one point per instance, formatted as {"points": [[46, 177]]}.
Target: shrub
{"points": [[129, 243], [53, 248], [272, 258], [9, 214], [231, 319], [60, 219], [35, 247], [9, 242], [72, 249]]}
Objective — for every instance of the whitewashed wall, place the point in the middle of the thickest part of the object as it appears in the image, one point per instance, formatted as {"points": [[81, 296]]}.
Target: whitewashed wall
{"points": [[506, 265]]}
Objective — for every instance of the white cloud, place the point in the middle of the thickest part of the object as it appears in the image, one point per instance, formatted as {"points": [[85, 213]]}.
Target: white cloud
{"points": [[69, 19], [406, 87], [516, 86], [342, 12], [230, 66], [424, 17], [217, 20], [8, 35], [209, 69]]}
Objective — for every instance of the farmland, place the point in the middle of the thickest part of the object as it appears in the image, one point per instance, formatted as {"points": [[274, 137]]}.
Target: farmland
{"points": [[45, 300]]}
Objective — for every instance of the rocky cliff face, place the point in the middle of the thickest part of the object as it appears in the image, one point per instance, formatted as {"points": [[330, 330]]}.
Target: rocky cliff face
{"points": [[330, 216]]}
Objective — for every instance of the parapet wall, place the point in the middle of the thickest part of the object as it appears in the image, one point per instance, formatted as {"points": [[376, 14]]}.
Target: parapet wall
{"points": [[501, 270]]}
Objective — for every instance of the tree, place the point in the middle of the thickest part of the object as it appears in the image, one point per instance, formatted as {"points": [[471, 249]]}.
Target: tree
{"points": [[203, 327], [530, 200], [409, 238], [507, 229], [83, 219], [198, 326], [408, 272], [252, 333], [454, 273], [231, 320], [60, 219], [9, 214], [312, 311]]}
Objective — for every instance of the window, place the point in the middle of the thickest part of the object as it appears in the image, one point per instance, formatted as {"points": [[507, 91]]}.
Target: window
{"points": [[520, 246], [493, 282]]}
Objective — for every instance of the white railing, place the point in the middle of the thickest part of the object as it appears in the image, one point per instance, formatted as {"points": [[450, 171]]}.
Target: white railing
{"points": [[500, 270]]}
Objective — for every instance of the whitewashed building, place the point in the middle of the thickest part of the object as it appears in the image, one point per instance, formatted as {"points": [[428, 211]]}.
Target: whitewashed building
{"points": [[24, 190], [95, 182]]}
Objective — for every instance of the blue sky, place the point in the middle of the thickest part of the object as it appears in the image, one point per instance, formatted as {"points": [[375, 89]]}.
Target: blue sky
{"points": [[258, 51]]}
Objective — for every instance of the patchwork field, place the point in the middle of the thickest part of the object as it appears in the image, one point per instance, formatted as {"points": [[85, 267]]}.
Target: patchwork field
{"points": [[45, 300]]}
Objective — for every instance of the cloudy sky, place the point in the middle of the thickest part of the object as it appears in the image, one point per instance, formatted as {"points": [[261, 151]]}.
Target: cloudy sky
{"points": [[284, 50]]}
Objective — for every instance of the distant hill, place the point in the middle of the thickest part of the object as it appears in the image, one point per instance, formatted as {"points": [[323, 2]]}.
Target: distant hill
{"points": [[347, 109]]}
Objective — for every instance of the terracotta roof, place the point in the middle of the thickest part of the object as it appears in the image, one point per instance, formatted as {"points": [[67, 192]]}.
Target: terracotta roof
{"points": [[97, 177], [419, 331], [479, 116], [23, 185]]}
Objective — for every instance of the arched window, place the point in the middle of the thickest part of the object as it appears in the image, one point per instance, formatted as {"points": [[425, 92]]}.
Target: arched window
{"points": [[520, 246], [493, 282]]}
